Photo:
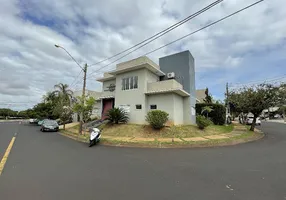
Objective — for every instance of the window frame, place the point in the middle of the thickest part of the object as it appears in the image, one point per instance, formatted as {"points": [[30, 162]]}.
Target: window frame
{"points": [[155, 105], [129, 83], [138, 105]]}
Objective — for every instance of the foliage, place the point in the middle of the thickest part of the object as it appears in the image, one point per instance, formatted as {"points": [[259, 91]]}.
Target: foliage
{"points": [[44, 110], [117, 115], [85, 109], [207, 110], [6, 112], [62, 94], [255, 99], [157, 118], [90, 119], [218, 114], [203, 122], [208, 98], [66, 113]]}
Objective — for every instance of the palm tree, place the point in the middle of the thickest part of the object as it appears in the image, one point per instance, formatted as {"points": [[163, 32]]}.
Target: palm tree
{"points": [[64, 94], [50, 97], [207, 109]]}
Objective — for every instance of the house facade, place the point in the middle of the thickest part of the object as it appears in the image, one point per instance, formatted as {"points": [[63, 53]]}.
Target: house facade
{"points": [[140, 85]]}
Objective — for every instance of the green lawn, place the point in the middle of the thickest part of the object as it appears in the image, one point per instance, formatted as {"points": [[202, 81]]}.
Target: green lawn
{"points": [[132, 130]]}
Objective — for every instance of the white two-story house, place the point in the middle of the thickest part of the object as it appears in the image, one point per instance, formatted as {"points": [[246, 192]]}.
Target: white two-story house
{"points": [[139, 86]]}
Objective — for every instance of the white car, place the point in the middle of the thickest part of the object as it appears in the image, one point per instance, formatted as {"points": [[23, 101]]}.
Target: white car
{"points": [[33, 121], [249, 121]]}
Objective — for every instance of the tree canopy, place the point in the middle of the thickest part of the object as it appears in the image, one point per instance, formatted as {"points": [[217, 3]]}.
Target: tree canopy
{"points": [[256, 98]]}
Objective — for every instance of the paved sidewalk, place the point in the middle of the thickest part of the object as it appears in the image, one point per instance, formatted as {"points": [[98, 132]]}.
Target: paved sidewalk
{"points": [[277, 121], [70, 125]]}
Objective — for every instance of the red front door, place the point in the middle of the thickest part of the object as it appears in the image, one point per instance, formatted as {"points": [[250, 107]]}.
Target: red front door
{"points": [[107, 105]]}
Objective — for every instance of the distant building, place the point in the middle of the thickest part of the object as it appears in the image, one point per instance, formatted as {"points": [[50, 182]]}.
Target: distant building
{"points": [[200, 95], [96, 112]]}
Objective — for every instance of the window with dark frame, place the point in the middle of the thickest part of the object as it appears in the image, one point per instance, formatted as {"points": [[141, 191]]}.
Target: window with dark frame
{"points": [[127, 84], [135, 81], [123, 84], [153, 107], [131, 83], [139, 106]]}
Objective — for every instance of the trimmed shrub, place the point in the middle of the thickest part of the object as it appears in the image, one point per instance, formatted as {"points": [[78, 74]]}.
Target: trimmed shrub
{"points": [[117, 115], [217, 115], [157, 118], [203, 122]]}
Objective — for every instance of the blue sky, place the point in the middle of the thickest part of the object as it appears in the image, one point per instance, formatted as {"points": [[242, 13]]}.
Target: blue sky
{"points": [[248, 47]]}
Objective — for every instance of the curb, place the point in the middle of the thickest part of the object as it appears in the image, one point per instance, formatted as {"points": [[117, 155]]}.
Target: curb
{"points": [[108, 142]]}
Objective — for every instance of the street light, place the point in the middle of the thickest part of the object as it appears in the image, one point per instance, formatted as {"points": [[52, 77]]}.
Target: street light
{"points": [[84, 69], [58, 46]]}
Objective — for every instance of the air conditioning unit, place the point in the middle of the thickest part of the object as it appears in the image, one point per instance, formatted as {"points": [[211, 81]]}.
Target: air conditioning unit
{"points": [[171, 75]]}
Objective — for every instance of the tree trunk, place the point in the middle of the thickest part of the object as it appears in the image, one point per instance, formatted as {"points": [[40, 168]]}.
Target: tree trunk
{"points": [[253, 123], [64, 126]]}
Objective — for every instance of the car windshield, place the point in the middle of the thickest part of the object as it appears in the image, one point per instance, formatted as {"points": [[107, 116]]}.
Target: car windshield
{"points": [[50, 123]]}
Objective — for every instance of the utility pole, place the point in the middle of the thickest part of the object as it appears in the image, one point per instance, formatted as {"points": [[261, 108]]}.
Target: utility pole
{"points": [[84, 69], [227, 103], [83, 98], [227, 93]]}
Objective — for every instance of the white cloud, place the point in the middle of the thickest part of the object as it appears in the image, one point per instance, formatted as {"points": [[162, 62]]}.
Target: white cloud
{"points": [[94, 30]]}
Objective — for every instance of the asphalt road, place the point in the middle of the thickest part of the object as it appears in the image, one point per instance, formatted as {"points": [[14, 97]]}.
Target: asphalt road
{"points": [[49, 166]]}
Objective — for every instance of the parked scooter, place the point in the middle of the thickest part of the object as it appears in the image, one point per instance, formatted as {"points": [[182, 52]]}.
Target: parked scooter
{"points": [[94, 136]]}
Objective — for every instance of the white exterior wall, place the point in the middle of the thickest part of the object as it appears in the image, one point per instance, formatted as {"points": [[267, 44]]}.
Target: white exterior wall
{"points": [[132, 97], [164, 85], [187, 110], [170, 103], [105, 88], [164, 102], [151, 77], [96, 112], [178, 109]]}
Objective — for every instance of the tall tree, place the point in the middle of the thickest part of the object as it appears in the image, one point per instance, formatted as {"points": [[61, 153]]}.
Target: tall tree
{"points": [[66, 114], [208, 98], [50, 97], [255, 99], [63, 92]]}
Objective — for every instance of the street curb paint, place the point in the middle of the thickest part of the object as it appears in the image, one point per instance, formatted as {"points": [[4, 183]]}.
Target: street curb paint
{"points": [[7, 152]]}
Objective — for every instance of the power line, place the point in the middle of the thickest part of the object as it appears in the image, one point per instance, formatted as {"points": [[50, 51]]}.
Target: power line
{"points": [[211, 24], [259, 81], [163, 32], [160, 34], [75, 80]]}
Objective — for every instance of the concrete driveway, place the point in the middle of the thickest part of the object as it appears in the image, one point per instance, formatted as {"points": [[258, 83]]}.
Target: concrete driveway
{"points": [[49, 166]]}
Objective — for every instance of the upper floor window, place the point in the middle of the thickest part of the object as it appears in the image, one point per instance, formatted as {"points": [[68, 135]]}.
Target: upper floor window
{"points": [[130, 83]]}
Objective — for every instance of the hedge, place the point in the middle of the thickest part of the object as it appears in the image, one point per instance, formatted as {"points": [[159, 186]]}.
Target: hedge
{"points": [[217, 115]]}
